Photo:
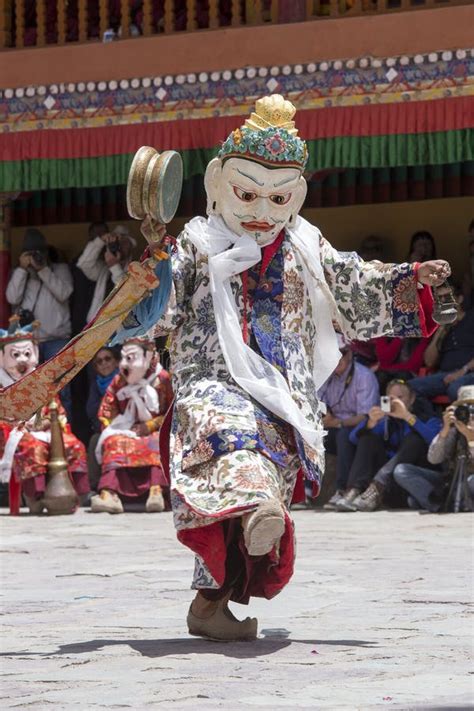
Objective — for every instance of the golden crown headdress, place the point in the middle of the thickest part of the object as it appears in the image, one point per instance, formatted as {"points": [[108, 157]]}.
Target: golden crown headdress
{"points": [[273, 112], [269, 136]]}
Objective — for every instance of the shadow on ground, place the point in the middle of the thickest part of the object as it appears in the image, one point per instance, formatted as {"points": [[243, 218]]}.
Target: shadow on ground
{"points": [[168, 647]]}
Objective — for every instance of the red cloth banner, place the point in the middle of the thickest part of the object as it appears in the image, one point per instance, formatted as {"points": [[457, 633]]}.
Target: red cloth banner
{"points": [[372, 120]]}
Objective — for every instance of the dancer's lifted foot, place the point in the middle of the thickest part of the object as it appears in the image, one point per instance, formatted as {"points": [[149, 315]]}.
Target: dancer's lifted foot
{"points": [[264, 527]]}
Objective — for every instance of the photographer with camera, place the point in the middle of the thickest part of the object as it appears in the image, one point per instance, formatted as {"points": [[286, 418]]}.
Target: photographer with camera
{"points": [[104, 261], [39, 290], [427, 488]]}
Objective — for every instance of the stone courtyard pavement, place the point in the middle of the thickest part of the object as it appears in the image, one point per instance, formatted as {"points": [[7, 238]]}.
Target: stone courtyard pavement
{"points": [[376, 616]]}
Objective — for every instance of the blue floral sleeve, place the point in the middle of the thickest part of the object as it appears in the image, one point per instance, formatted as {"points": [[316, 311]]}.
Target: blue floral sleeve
{"points": [[183, 261], [373, 299]]}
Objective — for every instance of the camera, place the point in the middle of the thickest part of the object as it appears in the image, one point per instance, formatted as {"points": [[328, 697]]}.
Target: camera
{"points": [[26, 317], [39, 257], [462, 413], [385, 404], [114, 247]]}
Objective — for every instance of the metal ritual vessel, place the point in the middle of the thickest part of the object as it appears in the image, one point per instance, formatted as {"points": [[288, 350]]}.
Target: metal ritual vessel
{"points": [[60, 496], [445, 308]]}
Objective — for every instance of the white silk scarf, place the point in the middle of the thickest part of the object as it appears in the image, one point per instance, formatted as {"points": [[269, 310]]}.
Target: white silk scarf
{"points": [[142, 402], [230, 254]]}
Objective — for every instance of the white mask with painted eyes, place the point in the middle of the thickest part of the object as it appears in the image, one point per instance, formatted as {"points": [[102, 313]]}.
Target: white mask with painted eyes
{"points": [[134, 362], [20, 358], [253, 199]]}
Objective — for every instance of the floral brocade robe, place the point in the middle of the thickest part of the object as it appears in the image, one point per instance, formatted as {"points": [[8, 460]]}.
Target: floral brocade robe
{"points": [[212, 414]]}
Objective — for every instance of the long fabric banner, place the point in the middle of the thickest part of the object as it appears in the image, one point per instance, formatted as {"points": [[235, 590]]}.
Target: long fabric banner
{"points": [[386, 151], [374, 120], [386, 135]]}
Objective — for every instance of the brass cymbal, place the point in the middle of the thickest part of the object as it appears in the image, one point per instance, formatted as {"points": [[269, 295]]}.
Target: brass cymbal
{"points": [[154, 184], [136, 177]]}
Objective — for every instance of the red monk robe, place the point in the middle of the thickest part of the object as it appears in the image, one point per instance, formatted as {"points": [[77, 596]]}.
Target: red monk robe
{"points": [[131, 414], [32, 453], [25, 449]]}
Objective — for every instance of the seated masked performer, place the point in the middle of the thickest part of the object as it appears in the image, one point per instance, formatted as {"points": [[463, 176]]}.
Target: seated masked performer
{"points": [[255, 290], [25, 449], [131, 414]]}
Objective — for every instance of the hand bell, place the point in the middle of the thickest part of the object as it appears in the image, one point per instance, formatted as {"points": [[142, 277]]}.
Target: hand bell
{"points": [[445, 309]]}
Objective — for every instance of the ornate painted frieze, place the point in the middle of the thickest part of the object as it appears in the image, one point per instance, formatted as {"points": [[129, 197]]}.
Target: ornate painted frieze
{"points": [[337, 83]]}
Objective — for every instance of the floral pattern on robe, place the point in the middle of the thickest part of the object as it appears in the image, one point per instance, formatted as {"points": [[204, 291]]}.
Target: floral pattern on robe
{"points": [[212, 414]]}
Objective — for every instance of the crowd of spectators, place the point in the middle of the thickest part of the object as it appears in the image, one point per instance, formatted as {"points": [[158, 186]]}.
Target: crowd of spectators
{"points": [[398, 434], [392, 442], [63, 298], [384, 420]]}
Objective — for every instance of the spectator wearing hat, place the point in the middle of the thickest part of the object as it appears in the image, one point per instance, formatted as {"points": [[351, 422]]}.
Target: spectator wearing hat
{"points": [[349, 394], [104, 261], [42, 288], [39, 290], [426, 488]]}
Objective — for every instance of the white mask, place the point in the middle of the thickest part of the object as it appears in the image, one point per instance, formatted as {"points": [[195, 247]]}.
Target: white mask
{"points": [[19, 358], [134, 362], [253, 199]]}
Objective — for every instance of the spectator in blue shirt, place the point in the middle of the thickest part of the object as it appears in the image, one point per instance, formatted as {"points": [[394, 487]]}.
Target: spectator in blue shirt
{"points": [[383, 441], [348, 395], [105, 365], [105, 368]]}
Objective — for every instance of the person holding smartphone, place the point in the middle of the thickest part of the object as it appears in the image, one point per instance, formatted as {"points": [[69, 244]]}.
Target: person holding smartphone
{"points": [[394, 432]]}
